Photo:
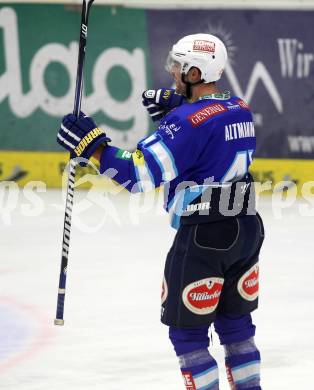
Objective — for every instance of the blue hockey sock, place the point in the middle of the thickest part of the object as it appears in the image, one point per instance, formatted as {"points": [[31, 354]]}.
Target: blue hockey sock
{"points": [[243, 365], [199, 370], [198, 367]]}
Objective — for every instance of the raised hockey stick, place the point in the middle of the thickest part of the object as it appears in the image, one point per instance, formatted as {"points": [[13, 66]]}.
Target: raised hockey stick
{"points": [[72, 166]]}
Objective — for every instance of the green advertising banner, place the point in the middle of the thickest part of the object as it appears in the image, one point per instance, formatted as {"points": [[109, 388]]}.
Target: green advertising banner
{"points": [[38, 59], [126, 52]]}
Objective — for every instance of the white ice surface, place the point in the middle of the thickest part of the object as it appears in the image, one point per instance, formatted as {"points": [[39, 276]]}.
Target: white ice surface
{"points": [[112, 338]]}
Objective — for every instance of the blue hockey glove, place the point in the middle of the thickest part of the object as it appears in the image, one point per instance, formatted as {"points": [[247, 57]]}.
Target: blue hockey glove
{"points": [[80, 136], [159, 102]]}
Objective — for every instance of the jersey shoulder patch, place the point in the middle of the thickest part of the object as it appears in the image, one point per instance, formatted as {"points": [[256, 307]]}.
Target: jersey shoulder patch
{"points": [[243, 104]]}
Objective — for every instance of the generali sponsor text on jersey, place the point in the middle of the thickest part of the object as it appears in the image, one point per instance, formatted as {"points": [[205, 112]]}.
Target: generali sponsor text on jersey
{"points": [[200, 116]]}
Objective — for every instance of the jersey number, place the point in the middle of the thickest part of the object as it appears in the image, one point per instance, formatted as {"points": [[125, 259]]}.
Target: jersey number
{"points": [[239, 166]]}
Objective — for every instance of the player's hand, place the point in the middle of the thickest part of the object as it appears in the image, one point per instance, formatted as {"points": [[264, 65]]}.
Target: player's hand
{"points": [[159, 102], [80, 136]]}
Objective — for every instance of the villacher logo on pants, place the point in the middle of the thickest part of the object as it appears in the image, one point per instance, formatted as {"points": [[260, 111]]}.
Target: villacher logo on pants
{"points": [[248, 284], [202, 297]]}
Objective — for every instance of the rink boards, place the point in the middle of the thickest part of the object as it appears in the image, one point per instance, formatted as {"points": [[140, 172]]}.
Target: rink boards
{"points": [[125, 56], [48, 167]]}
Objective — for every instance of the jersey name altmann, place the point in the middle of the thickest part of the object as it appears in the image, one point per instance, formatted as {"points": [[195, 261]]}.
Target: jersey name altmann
{"points": [[239, 130]]}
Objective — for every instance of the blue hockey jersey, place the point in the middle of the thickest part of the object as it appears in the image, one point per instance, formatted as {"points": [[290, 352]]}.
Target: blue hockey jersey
{"points": [[209, 141]]}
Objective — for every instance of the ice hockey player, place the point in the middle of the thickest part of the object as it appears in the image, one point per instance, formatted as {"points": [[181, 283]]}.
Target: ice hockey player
{"points": [[201, 153]]}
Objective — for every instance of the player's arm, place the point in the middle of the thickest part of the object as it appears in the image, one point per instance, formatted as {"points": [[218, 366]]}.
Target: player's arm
{"points": [[149, 166], [134, 171], [137, 172], [159, 158]]}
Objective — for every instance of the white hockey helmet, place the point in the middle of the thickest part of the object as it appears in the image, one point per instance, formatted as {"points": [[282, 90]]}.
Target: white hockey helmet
{"points": [[203, 51]]}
